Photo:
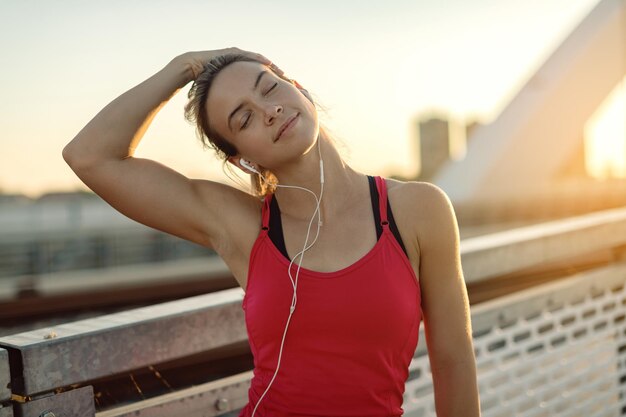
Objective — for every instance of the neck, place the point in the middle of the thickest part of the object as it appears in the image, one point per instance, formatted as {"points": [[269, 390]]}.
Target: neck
{"points": [[341, 183]]}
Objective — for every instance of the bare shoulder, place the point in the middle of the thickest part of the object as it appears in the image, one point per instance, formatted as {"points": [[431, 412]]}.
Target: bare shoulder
{"points": [[228, 193], [238, 212], [425, 206], [417, 194]]}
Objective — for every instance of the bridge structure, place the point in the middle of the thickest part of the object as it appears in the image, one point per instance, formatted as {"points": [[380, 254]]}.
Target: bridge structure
{"points": [[526, 153]]}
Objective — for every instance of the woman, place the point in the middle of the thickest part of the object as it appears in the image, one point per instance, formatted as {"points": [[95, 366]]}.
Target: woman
{"points": [[332, 311]]}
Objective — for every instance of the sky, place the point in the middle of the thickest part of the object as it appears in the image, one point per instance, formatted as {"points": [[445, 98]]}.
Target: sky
{"points": [[375, 70]]}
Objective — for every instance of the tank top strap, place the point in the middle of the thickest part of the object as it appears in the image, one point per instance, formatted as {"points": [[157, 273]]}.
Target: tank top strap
{"points": [[265, 213], [382, 200]]}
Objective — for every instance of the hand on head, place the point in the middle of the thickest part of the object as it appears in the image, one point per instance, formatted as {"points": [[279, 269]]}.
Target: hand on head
{"points": [[197, 60]]}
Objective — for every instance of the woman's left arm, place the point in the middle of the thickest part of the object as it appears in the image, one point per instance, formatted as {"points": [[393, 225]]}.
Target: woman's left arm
{"points": [[445, 308]]}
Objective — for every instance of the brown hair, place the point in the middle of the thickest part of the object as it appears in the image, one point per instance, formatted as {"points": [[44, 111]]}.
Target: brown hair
{"points": [[195, 112]]}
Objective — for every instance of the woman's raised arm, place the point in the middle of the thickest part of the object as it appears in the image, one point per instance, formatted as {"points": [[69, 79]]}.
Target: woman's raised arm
{"points": [[102, 156]]}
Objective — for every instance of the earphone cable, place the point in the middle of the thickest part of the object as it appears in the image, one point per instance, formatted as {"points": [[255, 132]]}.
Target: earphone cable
{"points": [[301, 255]]}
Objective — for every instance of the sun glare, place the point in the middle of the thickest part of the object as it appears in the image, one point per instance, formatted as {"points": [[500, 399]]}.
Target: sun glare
{"points": [[605, 137]]}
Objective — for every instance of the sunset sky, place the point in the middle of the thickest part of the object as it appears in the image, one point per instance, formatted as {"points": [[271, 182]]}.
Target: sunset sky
{"points": [[374, 69]]}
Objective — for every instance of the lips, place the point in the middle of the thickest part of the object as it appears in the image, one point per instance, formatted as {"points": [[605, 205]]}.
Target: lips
{"points": [[285, 125]]}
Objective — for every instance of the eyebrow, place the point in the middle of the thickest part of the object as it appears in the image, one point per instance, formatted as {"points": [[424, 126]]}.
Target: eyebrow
{"points": [[256, 84]]}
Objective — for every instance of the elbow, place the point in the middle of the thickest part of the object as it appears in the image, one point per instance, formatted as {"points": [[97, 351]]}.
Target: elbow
{"points": [[69, 155], [76, 159]]}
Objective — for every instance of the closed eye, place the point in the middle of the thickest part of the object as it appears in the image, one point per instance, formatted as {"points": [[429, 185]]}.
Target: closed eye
{"points": [[246, 121], [274, 86]]}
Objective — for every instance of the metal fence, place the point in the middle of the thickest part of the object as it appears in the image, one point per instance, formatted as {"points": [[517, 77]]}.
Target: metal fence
{"points": [[555, 350], [552, 350]]}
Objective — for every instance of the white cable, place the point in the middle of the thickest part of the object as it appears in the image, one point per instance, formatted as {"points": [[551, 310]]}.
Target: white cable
{"points": [[292, 308]]}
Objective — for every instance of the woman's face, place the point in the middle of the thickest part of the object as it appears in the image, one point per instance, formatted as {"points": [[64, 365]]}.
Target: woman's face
{"points": [[267, 118]]}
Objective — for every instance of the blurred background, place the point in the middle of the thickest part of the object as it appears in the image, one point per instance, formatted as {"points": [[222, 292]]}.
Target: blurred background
{"points": [[517, 110]]}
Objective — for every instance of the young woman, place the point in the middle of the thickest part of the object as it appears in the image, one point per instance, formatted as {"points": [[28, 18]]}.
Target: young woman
{"points": [[336, 282]]}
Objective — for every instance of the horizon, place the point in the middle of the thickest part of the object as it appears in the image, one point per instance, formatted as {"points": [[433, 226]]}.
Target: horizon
{"points": [[478, 54]]}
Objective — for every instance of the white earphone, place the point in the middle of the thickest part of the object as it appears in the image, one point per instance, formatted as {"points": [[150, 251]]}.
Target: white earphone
{"points": [[248, 165]]}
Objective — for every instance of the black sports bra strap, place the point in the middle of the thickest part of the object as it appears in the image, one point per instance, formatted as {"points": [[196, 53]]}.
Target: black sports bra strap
{"points": [[377, 218], [374, 197], [272, 223]]}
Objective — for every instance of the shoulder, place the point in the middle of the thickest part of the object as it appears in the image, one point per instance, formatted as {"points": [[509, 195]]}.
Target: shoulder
{"points": [[209, 190], [229, 198], [237, 213], [412, 194], [426, 207]]}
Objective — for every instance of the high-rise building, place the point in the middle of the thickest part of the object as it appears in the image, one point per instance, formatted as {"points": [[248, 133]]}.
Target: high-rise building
{"points": [[434, 146]]}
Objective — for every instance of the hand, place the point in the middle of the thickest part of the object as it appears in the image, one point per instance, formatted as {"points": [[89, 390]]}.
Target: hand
{"points": [[197, 60]]}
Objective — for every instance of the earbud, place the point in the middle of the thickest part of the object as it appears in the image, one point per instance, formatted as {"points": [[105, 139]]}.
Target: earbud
{"points": [[249, 165]]}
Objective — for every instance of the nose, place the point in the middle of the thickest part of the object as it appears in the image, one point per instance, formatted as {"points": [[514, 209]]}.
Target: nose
{"points": [[271, 112]]}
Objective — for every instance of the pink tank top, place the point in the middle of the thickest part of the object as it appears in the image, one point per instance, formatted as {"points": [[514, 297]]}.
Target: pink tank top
{"points": [[351, 337]]}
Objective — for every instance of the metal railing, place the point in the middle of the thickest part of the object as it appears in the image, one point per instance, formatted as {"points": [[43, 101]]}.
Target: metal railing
{"points": [[534, 349]]}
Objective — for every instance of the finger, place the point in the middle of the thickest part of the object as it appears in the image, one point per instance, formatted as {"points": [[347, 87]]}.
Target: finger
{"points": [[259, 57], [263, 59], [276, 69], [253, 55], [269, 63]]}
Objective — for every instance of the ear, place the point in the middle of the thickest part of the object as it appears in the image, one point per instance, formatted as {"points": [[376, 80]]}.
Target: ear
{"points": [[303, 91]]}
